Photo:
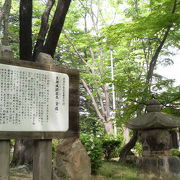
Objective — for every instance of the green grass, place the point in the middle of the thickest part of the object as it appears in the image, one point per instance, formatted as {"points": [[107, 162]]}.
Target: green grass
{"points": [[115, 171], [108, 171], [20, 176]]}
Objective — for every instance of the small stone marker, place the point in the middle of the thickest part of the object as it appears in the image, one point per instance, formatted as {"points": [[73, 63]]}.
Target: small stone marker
{"points": [[5, 52]]}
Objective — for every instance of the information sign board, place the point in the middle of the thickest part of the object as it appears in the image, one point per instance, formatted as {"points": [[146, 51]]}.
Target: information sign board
{"points": [[33, 99]]}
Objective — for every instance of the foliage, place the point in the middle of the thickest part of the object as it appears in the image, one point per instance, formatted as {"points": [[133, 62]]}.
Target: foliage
{"points": [[91, 125], [149, 21], [55, 143], [111, 144], [175, 152], [136, 42], [88, 34], [172, 111], [115, 171], [170, 100], [93, 146], [138, 149]]}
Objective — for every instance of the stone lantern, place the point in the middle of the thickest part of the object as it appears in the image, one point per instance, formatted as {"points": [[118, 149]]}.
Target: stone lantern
{"points": [[154, 134]]}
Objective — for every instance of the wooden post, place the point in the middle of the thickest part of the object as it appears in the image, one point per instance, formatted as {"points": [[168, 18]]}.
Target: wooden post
{"points": [[42, 160], [4, 159]]}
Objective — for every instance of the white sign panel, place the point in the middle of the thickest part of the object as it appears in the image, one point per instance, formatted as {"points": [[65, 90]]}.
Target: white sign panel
{"points": [[33, 100]]}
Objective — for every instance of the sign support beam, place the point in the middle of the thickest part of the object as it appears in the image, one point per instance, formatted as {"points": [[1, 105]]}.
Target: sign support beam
{"points": [[4, 159], [42, 160]]}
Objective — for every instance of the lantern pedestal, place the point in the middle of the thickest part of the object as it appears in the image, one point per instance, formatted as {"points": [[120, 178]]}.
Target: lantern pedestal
{"points": [[159, 167], [155, 134]]}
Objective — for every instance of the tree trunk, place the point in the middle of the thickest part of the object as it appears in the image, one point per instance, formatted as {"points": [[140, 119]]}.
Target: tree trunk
{"points": [[22, 153], [25, 32], [108, 127], [126, 134], [126, 149], [56, 27]]}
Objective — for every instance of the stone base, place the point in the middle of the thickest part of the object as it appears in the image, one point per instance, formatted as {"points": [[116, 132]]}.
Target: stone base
{"points": [[156, 168]]}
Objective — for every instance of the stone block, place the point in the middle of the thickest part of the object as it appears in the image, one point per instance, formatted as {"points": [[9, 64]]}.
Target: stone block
{"points": [[72, 161], [174, 165], [44, 58], [162, 167], [6, 53]]}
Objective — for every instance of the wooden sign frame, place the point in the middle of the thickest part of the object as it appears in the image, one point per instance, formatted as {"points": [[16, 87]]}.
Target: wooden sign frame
{"points": [[73, 103]]}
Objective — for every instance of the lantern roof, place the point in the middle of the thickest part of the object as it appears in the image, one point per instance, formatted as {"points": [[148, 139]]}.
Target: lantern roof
{"points": [[153, 119]]}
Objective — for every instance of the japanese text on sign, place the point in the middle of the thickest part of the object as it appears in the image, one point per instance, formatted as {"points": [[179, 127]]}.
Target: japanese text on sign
{"points": [[33, 100]]}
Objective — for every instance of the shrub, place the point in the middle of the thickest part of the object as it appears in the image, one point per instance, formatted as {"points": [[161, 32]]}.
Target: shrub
{"points": [[91, 125], [175, 152], [55, 143], [93, 146], [111, 145], [138, 149]]}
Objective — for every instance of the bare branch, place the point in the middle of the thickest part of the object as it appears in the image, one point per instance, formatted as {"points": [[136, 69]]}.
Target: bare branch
{"points": [[77, 52], [107, 106], [93, 100]]}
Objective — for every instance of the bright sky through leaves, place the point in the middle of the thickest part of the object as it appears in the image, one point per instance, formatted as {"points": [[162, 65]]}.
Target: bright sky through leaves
{"points": [[171, 71]]}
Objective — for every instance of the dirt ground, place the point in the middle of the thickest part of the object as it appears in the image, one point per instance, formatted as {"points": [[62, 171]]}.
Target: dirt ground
{"points": [[20, 173]]}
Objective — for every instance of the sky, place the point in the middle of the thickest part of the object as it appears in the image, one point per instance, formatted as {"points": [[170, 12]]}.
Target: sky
{"points": [[172, 71]]}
